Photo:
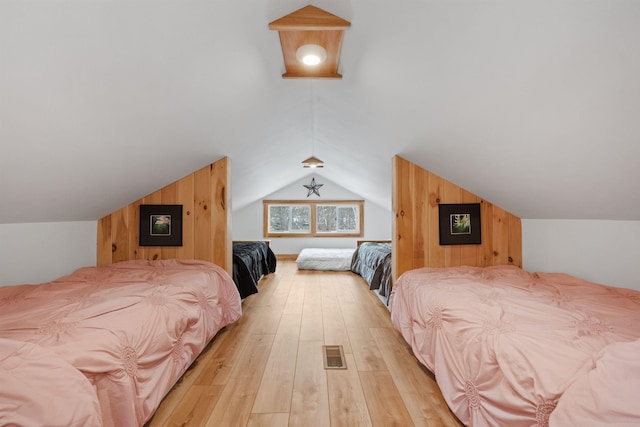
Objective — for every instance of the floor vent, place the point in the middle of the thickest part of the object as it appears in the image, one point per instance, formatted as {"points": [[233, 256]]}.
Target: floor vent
{"points": [[333, 357]]}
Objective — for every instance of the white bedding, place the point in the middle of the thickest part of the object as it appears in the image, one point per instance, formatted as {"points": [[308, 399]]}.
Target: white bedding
{"points": [[336, 259]]}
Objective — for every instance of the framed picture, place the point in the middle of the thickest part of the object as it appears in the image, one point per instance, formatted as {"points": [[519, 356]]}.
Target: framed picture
{"points": [[460, 224], [160, 225]]}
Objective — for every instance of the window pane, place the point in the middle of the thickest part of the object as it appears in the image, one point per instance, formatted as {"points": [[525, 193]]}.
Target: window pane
{"points": [[279, 218], [326, 219], [289, 219], [300, 219], [347, 219]]}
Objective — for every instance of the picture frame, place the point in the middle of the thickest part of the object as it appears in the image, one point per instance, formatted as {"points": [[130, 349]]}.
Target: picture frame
{"points": [[160, 225], [460, 224]]}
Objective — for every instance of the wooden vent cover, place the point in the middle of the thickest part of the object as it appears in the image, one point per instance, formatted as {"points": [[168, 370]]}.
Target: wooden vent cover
{"points": [[333, 357]]}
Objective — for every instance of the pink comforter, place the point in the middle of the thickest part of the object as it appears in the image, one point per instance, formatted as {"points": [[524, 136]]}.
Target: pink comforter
{"points": [[607, 395], [131, 330], [505, 344]]}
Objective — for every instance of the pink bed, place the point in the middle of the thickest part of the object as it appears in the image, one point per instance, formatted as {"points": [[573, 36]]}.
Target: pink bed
{"points": [[103, 346], [512, 348]]}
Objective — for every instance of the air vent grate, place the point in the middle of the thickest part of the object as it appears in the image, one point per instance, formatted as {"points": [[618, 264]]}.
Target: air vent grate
{"points": [[333, 357]]}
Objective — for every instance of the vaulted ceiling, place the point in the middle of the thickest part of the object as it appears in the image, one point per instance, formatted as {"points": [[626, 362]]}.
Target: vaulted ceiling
{"points": [[533, 105]]}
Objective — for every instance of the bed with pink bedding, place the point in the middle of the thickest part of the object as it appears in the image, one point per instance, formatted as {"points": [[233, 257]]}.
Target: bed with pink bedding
{"points": [[102, 346], [512, 348]]}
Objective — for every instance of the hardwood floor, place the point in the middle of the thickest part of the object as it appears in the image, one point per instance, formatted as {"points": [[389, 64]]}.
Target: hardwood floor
{"points": [[267, 369]]}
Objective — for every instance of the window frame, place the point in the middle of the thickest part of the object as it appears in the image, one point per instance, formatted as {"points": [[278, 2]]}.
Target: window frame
{"points": [[313, 204]]}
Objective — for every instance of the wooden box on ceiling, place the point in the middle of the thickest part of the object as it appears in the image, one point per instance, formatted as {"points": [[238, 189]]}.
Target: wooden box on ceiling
{"points": [[311, 25]]}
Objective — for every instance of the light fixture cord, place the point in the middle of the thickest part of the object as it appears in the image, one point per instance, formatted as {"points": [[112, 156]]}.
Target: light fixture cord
{"points": [[314, 116]]}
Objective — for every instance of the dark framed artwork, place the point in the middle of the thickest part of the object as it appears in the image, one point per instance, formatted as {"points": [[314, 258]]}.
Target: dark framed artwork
{"points": [[160, 225], [460, 224]]}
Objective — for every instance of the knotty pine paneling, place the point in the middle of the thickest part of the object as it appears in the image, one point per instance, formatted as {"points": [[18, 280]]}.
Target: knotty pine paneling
{"points": [[206, 212], [416, 242]]}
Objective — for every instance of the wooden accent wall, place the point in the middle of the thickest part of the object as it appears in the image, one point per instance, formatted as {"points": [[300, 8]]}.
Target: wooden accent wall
{"points": [[206, 221], [416, 240]]}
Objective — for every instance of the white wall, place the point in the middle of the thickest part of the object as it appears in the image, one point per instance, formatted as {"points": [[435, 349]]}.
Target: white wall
{"points": [[247, 222], [606, 252], [41, 252]]}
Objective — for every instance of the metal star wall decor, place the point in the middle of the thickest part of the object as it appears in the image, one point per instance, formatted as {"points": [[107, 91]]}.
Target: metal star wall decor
{"points": [[313, 188]]}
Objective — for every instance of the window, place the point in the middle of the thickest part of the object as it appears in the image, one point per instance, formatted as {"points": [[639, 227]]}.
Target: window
{"points": [[289, 218], [335, 218]]}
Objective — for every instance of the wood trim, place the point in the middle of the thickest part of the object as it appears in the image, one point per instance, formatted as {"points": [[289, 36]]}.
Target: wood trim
{"points": [[286, 257], [309, 18], [312, 204]]}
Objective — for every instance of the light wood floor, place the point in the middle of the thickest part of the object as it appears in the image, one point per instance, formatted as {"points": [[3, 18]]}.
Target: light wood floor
{"points": [[267, 369]]}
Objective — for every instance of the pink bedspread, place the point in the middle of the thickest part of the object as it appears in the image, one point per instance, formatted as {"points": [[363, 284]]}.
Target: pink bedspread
{"points": [[505, 344], [131, 329], [607, 395]]}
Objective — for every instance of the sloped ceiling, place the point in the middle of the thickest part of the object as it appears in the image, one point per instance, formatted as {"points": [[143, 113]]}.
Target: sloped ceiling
{"points": [[533, 105]]}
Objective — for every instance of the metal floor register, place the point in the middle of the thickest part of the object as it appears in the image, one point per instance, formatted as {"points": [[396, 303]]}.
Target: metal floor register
{"points": [[333, 357]]}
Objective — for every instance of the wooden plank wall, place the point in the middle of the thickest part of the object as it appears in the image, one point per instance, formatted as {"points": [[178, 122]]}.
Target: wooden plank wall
{"points": [[206, 221], [416, 242]]}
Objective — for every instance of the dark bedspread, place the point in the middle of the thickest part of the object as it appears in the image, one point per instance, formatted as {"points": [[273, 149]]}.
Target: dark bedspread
{"points": [[251, 260], [372, 261]]}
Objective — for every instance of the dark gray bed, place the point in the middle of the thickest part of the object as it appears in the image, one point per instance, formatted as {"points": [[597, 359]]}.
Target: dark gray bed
{"points": [[251, 261], [372, 261]]}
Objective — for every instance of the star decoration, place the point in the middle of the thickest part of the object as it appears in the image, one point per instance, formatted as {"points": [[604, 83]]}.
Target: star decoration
{"points": [[313, 188]]}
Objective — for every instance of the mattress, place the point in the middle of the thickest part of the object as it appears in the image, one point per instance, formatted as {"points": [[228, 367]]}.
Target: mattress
{"points": [[334, 259], [372, 261], [251, 261], [505, 344], [616, 369], [102, 346]]}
